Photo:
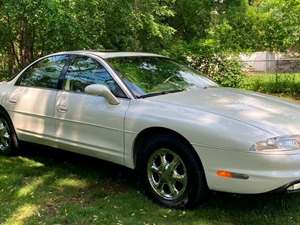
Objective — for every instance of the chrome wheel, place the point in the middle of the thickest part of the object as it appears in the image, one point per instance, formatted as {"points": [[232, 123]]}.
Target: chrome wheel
{"points": [[167, 174], [4, 136]]}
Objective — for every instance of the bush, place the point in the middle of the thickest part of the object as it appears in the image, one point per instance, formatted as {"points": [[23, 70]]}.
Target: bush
{"points": [[207, 58], [226, 72]]}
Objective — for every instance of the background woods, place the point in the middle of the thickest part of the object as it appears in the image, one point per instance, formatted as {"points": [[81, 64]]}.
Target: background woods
{"points": [[200, 32]]}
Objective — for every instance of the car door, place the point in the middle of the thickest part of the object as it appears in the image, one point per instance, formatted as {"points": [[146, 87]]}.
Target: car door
{"points": [[89, 124], [31, 102]]}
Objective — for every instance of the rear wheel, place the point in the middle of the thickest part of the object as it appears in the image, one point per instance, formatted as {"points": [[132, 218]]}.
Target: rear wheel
{"points": [[172, 174], [8, 138]]}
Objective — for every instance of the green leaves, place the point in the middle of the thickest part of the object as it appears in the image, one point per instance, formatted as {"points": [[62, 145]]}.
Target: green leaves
{"points": [[179, 28]]}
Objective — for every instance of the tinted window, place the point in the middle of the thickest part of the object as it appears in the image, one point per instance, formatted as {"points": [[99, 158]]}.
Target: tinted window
{"points": [[85, 71], [45, 73]]}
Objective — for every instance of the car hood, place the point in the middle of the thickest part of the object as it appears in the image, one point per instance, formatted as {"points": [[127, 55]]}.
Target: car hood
{"points": [[271, 114]]}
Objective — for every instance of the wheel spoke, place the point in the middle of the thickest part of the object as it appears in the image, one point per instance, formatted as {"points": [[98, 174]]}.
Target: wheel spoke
{"points": [[173, 190], [155, 169], [160, 187], [163, 159], [6, 135], [178, 177], [175, 162]]}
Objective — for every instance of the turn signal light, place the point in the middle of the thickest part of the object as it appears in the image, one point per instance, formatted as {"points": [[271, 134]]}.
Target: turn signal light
{"points": [[227, 174], [223, 173]]}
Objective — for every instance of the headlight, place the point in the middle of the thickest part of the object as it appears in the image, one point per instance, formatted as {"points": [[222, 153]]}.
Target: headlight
{"points": [[284, 143]]}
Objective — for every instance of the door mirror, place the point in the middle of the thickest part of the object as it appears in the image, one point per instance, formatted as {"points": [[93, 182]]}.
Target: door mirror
{"points": [[101, 90]]}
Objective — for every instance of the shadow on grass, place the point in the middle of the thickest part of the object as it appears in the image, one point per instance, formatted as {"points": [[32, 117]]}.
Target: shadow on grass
{"points": [[49, 186]]}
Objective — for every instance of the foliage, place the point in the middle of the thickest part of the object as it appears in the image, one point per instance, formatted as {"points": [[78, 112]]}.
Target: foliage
{"points": [[272, 25], [31, 28], [205, 31], [206, 57]]}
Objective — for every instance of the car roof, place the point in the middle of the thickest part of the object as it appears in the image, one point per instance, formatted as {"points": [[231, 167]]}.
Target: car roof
{"points": [[113, 54]]}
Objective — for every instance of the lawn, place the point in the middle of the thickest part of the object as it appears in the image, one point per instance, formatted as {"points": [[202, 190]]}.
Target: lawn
{"points": [[48, 186], [279, 84]]}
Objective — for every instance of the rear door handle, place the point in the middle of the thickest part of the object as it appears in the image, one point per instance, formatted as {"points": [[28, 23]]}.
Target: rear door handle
{"points": [[62, 108]]}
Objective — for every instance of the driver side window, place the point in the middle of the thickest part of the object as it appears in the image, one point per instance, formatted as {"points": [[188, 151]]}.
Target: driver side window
{"points": [[85, 71]]}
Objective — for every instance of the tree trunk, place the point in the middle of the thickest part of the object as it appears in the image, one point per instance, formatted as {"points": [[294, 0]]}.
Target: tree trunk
{"points": [[26, 43]]}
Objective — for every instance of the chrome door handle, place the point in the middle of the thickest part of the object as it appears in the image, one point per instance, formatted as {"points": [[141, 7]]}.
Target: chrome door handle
{"points": [[62, 108], [12, 100]]}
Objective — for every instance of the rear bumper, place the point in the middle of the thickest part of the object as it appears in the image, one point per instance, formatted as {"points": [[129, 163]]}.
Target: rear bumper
{"points": [[265, 172]]}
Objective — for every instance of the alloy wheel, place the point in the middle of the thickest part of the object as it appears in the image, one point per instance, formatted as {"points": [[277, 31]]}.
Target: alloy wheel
{"points": [[167, 174]]}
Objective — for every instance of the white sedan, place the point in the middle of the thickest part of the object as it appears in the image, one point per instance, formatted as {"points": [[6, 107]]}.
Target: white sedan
{"points": [[183, 133]]}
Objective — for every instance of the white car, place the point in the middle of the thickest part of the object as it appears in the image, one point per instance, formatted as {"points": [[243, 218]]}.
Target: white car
{"points": [[180, 130]]}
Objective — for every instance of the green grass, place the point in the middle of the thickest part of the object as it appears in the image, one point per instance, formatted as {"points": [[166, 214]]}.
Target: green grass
{"points": [[47, 186], [280, 84]]}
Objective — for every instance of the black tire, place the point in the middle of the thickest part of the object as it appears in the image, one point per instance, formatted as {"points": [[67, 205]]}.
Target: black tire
{"points": [[12, 140], [195, 191]]}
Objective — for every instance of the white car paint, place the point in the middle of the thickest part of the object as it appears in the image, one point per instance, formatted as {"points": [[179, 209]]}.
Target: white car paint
{"points": [[220, 123]]}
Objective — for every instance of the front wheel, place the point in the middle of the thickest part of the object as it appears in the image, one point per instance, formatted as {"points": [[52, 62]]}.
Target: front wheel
{"points": [[172, 174], [167, 174]]}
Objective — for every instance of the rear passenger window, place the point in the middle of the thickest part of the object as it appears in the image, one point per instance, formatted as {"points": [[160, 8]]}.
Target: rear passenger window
{"points": [[45, 73]]}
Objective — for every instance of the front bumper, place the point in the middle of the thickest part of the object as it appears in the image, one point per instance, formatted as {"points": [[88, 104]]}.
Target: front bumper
{"points": [[293, 187], [266, 172]]}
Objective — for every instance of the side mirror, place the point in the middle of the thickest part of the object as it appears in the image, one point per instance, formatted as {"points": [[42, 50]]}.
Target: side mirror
{"points": [[102, 90]]}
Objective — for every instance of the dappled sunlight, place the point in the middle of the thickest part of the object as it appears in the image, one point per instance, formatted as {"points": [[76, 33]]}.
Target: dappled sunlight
{"points": [[223, 100], [72, 182], [208, 119], [255, 114], [29, 188], [22, 214], [31, 163], [292, 128], [20, 162], [3, 178], [32, 105], [77, 193], [249, 103]]}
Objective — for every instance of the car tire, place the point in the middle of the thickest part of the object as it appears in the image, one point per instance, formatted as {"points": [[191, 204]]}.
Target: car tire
{"points": [[172, 174], [8, 139]]}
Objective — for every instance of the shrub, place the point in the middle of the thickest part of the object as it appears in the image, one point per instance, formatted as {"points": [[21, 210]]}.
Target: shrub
{"points": [[226, 72], [206, 57]]}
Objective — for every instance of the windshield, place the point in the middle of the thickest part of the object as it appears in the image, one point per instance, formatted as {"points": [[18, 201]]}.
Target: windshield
{"points": [[149, 76]]}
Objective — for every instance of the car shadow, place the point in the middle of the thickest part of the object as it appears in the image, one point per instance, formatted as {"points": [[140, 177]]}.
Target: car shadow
{"points": [[69, 160]]}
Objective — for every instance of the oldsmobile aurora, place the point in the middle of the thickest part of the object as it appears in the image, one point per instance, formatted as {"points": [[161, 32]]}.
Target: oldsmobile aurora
{"points": [[181, 131]]}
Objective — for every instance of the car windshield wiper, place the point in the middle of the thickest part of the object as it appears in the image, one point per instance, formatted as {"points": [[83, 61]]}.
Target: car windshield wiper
{"points": [[160, 93]]}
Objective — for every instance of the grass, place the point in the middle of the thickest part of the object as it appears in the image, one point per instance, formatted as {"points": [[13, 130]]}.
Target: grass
{"points": [[48, 186], [280, 84]]}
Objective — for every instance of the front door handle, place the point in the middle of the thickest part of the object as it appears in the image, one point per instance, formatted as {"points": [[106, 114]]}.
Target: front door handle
{"points": [[12, 100]]}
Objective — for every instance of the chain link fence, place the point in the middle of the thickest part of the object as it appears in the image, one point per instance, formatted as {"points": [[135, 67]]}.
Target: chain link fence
{"points": [[279, 76], [277, 66]]}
